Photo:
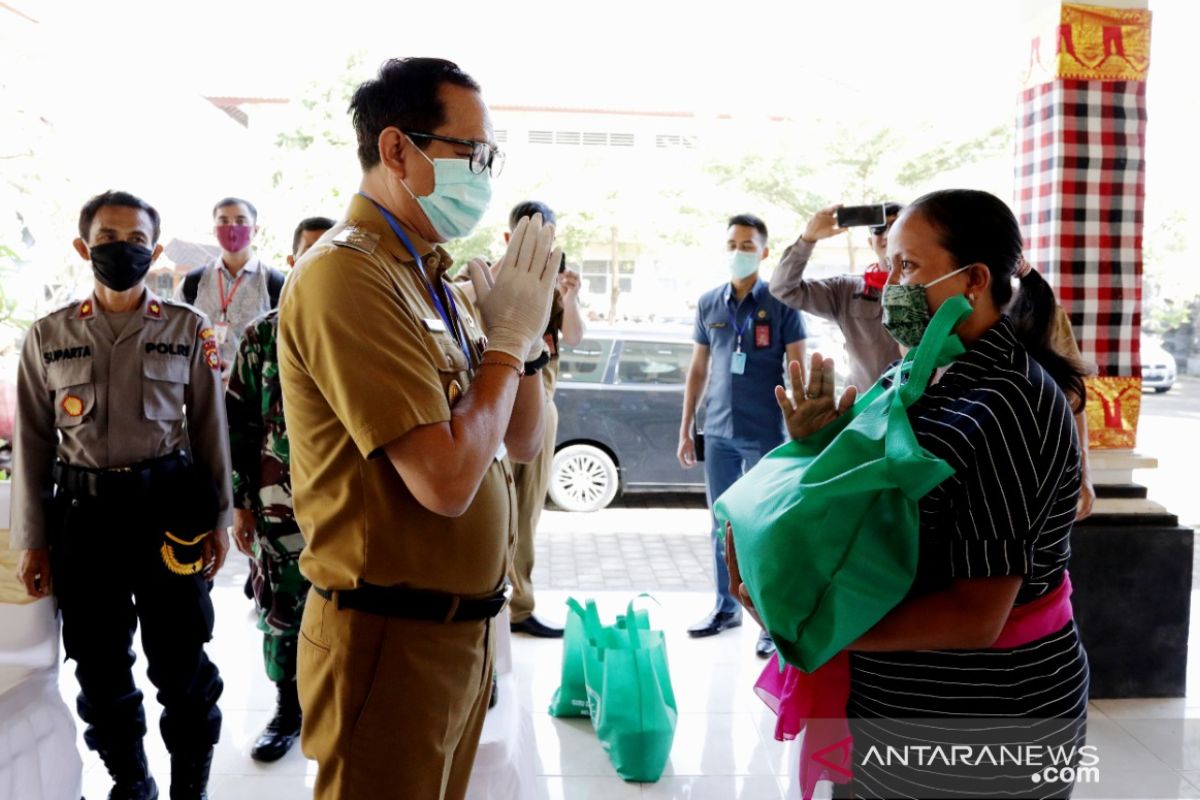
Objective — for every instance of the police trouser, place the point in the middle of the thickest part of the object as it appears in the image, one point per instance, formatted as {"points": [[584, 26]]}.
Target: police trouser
{"points": [[531, 481], [109, 575]]}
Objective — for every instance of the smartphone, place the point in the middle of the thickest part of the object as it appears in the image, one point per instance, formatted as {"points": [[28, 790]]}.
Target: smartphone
{"points": [[860, 216], [562, 265]]}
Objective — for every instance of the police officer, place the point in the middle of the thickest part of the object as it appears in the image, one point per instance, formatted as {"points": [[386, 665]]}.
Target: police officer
{"points": [[402, 420], [264, 525], [742, 337], [122, 497]]}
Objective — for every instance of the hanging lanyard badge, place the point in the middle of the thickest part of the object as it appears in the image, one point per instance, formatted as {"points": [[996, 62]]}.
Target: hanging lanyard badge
{"points": [[222, 325], [450, 318], [737, 364]]}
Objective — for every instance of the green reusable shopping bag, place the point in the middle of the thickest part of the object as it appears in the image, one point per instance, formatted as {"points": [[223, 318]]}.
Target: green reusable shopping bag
{"points": [[570, 699], [826, 527], [629, 694]]}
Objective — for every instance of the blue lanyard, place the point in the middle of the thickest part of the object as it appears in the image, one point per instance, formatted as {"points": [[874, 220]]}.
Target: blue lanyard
{"points": [[738, 331], [450, 319]]}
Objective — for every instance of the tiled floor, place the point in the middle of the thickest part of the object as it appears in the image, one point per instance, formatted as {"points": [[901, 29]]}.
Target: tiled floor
{"points": [[723, 744]]}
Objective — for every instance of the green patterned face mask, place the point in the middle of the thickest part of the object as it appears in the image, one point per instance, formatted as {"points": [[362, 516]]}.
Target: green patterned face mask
{"points": [[906, 309]]}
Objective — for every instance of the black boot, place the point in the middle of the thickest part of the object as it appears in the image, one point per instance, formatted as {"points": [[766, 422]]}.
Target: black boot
{"points": [[189, 775], [284, 727], [130, 773]]}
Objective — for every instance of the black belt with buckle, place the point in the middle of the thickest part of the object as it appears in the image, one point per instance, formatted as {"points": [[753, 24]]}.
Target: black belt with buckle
{"points": [[95, 483], [404, 603]]}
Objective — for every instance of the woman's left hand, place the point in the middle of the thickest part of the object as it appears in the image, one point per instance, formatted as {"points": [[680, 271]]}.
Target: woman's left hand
{"points": [[736, 587]]}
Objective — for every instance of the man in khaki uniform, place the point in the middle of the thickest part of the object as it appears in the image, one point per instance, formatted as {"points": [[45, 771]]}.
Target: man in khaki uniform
{"points": [[566, 328], [122, 497], [402, 419]]}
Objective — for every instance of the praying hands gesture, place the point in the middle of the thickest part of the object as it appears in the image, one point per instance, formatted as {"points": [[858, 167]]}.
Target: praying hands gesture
{"points": [[812, 408]]}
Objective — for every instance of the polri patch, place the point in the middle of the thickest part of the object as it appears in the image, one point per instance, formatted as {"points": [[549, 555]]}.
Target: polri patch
{"points": [[168, 349]]}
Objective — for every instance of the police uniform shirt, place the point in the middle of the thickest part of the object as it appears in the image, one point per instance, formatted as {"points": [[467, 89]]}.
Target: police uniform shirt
{"points": [[364, 359], [99, 400], [743, 405], [846, 300]]}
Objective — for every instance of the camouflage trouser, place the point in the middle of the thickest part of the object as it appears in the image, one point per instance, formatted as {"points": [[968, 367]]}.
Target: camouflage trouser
{"points": [[279, 593]]}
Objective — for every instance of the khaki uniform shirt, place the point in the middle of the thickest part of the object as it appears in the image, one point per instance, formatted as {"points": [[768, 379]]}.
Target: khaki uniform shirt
{"points": [[364, 359], [95, 400], [553, 333]]}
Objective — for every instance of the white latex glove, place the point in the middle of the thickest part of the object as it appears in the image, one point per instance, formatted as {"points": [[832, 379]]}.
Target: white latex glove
{"points": [[514, 297]]}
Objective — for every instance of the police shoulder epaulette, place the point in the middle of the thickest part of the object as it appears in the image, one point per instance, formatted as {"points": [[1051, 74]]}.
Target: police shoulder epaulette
{"points": [[170, 302], [357, 239], [66, 308], [179, 307]]}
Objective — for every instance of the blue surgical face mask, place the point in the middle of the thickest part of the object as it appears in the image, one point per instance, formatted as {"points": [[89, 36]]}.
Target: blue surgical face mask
{"points": [[742, 264], [459, 198]]}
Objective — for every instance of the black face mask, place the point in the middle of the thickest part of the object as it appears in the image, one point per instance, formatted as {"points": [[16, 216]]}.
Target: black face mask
{"points": [[120, 265]]}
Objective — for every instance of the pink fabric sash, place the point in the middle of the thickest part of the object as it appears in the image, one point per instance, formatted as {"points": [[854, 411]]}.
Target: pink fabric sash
{"points": [[815, 703]]}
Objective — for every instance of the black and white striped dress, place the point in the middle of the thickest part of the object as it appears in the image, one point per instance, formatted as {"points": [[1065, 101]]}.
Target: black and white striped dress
{"points": [[999, 419]]}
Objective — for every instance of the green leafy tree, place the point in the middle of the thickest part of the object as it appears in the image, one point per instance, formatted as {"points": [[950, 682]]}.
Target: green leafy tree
{"points": [[317, 167]]}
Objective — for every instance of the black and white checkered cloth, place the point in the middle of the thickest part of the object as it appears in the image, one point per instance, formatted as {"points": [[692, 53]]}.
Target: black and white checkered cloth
{"points": [[1080, 197]]}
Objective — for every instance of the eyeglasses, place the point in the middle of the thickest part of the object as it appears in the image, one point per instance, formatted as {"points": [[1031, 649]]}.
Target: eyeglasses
{"points": [[483, 155]]}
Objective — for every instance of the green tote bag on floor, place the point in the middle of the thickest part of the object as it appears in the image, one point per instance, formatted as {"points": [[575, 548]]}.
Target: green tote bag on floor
{"points": [[630, 696], [826, 527], [570, 699]]}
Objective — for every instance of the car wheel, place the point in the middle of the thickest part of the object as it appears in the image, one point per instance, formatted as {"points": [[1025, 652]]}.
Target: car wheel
{"points": [[582, 478]]}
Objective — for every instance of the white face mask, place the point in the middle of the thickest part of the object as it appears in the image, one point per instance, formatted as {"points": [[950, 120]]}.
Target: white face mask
{"points": [[743, 264]]}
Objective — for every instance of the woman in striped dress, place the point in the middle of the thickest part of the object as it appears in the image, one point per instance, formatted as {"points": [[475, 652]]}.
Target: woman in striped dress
{"points": [[994, 537]]}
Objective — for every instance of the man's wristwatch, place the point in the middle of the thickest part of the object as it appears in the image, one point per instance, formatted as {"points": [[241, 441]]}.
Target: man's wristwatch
{"points": [[532, 367]]}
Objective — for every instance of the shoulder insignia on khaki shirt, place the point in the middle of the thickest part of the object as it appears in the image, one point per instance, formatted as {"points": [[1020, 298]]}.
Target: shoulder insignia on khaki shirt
{"points": [[357, 239]]}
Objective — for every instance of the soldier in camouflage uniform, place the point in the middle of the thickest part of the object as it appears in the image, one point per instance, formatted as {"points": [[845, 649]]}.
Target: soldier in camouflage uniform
{"points": [[264, 525]]}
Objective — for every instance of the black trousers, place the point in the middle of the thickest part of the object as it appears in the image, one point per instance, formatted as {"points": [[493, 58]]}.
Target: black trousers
{"points": [[109, 576]]}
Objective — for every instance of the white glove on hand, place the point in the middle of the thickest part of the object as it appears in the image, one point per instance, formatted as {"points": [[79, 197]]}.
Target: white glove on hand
{"points": [[514, 297]]}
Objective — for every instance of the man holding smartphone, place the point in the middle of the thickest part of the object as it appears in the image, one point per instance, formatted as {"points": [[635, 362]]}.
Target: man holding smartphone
{"points": [[850, 301]]}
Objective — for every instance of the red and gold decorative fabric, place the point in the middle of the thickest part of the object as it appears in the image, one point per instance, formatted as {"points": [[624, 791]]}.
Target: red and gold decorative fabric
{"points": [[1080, 169]]}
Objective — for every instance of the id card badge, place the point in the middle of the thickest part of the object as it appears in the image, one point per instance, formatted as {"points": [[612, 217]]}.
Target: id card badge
{"points": [[762, 335], [222, 330], [738, 364]]}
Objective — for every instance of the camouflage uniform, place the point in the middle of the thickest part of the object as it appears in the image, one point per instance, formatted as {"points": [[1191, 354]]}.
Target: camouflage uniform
{"points": [[262, 483]]}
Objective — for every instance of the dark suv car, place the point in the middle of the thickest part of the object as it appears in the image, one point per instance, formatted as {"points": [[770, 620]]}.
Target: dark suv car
{"points": [[619, 399]]}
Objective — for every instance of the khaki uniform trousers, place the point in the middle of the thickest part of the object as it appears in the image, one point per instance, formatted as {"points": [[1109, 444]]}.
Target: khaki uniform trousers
{"points": [[531, 481], [392, 707]]}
